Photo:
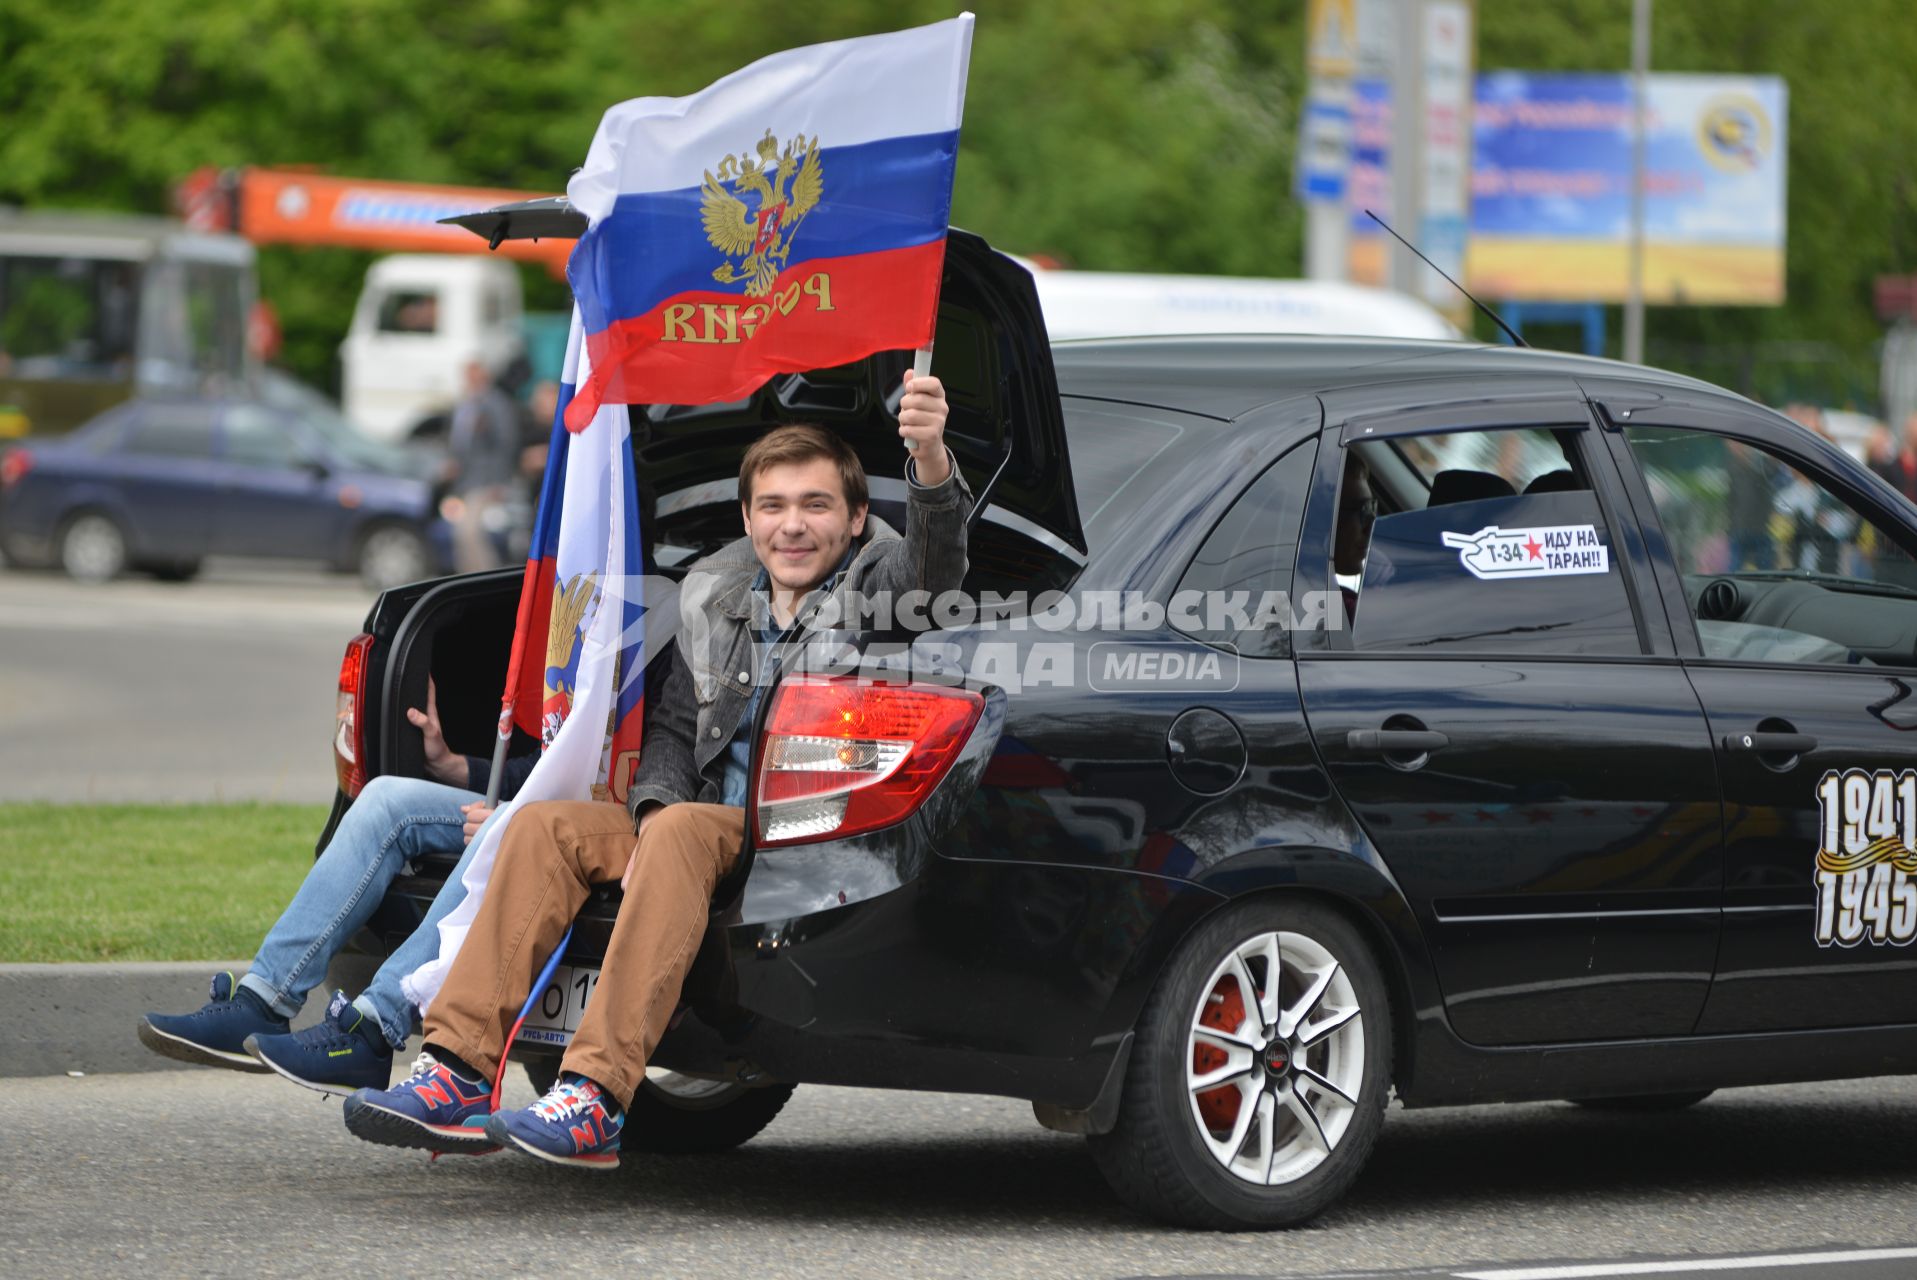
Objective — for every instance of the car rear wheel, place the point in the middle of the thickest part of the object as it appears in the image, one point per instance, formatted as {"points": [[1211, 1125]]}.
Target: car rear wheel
{"points": [[1647, 1101], [1258, 1076], [92, 548], [392, 556], [684, 1115]]}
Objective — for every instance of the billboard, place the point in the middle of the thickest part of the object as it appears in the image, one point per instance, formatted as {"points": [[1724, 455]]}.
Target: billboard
{"points": [[1368, 182], [1551, 188]]}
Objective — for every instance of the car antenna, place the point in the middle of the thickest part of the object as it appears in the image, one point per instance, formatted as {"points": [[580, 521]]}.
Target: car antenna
{"points": [[1496, 319]]}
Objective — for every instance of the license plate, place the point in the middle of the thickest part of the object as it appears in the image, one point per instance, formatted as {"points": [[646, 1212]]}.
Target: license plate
{"points": [[561, 1004]]}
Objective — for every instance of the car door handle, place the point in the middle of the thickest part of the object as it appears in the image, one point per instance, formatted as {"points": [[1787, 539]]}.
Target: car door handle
{"points": [[1770, 744], [1396, 742]]}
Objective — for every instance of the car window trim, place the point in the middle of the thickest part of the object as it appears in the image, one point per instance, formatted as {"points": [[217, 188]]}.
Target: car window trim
{"points": [[1530, 410], [1667, 582], [1627, 537], [1452, 655]]}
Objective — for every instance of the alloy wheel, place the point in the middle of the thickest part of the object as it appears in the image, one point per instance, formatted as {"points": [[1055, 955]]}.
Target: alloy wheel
{"points": [[1275, 1058], [93, 549], [392, 557], [694, 1092]]}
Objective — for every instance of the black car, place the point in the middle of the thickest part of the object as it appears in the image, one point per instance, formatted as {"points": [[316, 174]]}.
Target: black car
{"points": [[1593, 777]]}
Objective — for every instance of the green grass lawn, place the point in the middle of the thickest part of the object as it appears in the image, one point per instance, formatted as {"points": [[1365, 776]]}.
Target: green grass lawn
{"points": [[148, 882]]}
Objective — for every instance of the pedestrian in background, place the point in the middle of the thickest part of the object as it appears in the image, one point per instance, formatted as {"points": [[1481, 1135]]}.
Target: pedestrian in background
{"points": [[541, 405], [484, 443], [1879, 449], [1901, 467]]}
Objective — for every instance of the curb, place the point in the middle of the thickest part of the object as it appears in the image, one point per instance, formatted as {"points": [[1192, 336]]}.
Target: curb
{"points": [[65, 1018]]}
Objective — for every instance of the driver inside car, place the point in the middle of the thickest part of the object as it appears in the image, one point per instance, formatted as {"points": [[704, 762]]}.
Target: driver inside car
{"points": [[809, 537]]}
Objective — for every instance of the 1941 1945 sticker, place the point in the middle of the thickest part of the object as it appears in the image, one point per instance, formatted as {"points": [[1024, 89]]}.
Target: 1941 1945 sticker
{"points": [[1867, 858]]}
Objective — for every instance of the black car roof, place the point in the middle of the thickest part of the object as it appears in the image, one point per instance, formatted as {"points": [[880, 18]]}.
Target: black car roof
{"points": [[1227, 376]]}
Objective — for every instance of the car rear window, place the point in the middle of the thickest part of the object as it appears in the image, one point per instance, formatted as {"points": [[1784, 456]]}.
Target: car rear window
{"points": [[1113, 448]]}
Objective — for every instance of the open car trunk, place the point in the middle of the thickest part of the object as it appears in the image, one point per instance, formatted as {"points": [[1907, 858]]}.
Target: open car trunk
{"points": [[1006, 432]]}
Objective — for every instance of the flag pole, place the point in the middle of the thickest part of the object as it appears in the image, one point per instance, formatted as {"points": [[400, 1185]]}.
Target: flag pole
{"points": [[509, 700], [921, 366], [551, 483]]}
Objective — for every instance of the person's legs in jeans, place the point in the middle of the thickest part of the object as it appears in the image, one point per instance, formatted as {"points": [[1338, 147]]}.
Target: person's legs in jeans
{"points": [[393, 821], [383, 1001], [353, 1047]]}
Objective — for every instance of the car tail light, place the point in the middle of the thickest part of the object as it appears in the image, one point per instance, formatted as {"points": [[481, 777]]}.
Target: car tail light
{"points": [[14, 467], [349, 736], [844, 755]]}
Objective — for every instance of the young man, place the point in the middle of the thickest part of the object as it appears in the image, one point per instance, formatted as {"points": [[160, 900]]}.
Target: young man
{"points": [[809, 537], [244, 1026]]}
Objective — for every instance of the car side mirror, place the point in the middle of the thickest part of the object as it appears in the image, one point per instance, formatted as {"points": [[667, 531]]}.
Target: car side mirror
{"points": [[316, 468]]}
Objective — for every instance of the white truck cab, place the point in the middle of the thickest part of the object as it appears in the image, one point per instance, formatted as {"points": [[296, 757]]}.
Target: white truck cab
{"points": [[420, 318]]}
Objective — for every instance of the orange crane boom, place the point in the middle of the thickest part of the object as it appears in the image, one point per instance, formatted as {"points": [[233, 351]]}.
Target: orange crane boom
{"points": [[293, 206]]}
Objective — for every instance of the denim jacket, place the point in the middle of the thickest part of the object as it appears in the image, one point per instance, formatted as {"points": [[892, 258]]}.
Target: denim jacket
{"points": [[692, 717]]}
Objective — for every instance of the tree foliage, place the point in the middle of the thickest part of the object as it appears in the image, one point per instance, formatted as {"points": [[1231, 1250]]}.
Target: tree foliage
{"points": [[1122, 134]]}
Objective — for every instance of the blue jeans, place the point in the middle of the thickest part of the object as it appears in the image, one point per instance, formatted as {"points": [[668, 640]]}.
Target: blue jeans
{"points": [[393, 823]]}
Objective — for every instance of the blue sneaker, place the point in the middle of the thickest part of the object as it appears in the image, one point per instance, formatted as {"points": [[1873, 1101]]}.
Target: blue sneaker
{"points": [[432, 1109], [347, 1051], [576, 1123], [216, 1035]]}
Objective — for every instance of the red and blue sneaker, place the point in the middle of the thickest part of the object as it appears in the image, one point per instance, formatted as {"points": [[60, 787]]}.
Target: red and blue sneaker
{"points": [[576, 1123], [434, 1109]]}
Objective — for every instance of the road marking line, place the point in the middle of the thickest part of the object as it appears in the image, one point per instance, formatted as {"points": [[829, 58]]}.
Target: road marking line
{"points": [[1593, 1270]]}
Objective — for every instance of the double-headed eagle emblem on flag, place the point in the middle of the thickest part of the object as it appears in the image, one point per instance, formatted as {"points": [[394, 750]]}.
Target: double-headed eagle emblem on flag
{"points": [[757, 240], [565, 634]]}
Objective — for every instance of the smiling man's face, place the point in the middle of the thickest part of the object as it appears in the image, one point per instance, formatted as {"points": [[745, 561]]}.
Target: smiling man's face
{"points": [[799, 523]]}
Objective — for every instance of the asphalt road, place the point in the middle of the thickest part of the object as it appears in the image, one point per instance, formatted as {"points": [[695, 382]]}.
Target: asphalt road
{"points": [[210, 1173], [219, 689]]}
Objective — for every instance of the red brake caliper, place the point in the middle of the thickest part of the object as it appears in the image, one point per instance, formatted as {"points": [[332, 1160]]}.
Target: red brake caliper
{"points": [[1224, 1011]]}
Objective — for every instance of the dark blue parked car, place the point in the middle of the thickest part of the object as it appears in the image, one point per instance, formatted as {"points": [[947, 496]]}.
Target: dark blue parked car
{"points": [[155, 485]]}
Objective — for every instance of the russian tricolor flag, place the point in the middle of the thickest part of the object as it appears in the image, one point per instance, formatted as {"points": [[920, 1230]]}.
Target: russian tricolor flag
{"points": [[792, 216], [576, 678], [572, 547]]}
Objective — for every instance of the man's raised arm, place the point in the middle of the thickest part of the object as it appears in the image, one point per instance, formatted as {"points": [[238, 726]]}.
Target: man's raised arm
{"points": [[937, 499]]}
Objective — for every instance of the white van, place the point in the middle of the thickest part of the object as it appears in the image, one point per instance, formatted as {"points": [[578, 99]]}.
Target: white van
{"points": [[421, 317], [1113, 304]]}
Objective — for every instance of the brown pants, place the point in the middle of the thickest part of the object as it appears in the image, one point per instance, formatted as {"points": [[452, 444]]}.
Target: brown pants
{"points": [[551, 856]]}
